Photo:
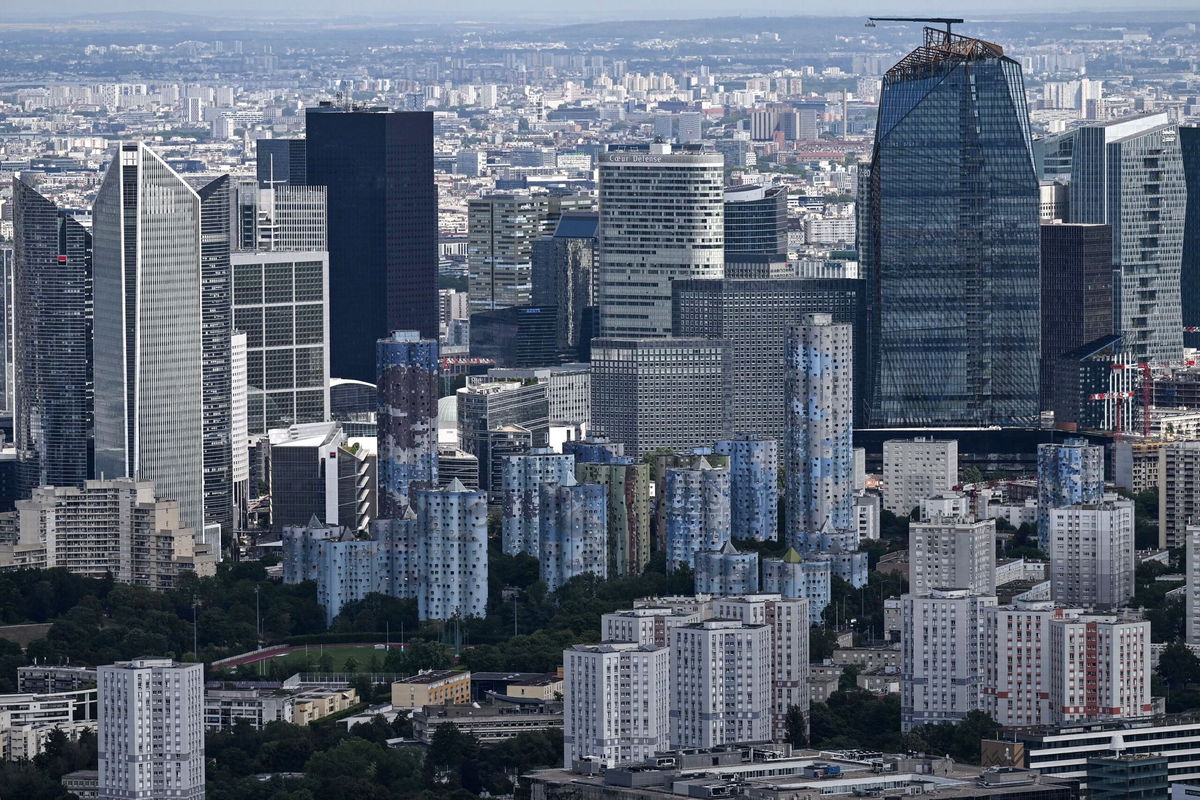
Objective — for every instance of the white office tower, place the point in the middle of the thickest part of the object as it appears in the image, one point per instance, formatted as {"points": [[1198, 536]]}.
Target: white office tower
{"points": [[661, 219], [449, 557], [573, 535], [521, 478], [697, 515], [1100, 668], [147, 332], [952, 553], [1092, 554], [1192, 573], [1051, 666], [616, 702], [720, 683], [818, 453], [942, 656], [788, 620], [151, 731], [914, 469]]}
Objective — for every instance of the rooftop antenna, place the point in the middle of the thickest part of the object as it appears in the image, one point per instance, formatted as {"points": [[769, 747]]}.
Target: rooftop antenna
{"points": [[947, 21]]}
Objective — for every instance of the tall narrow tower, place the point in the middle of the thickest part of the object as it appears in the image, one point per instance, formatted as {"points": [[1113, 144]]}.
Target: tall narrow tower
{"points": [[147, 350], [406, 419]]}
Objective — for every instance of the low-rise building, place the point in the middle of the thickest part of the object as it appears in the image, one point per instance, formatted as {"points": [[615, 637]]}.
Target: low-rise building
{"points": [[311, 705], [488, 722], [432, 688], [224, 708]]}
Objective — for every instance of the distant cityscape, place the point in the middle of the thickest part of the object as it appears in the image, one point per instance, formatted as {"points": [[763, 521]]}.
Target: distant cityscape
{"points": [[770, 407]]}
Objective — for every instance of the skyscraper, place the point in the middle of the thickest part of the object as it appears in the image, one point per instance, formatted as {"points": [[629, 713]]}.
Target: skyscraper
{"points": [[818, 452], [522, 477], [378, 168], [573, 531], [697, 512], [1092, 554], [52, 360], [1189, 282], [564, 276], [950, 552], [280, 162], [948, 240], [148, 334], [721, 683], [1128, 173], [756, 219], [449, 557], [501, 230], [407, 418], [151, 732], [661, 219], [628, 489]]}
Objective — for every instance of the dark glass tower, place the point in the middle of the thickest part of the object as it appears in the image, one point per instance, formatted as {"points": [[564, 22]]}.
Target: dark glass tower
{"points": [[756, 219], [1189, 144], [280, 161], [52, 303], [949, 240], [377, 166]]}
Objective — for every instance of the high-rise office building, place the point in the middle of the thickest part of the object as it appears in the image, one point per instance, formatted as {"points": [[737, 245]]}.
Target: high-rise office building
{"points": [[51, 306], [1076, 294], [279, 303], [914, 469], [522, 477], [950, 252], [150, 741], [616, 702], [278, 218], [952, 554], [754, 314], [660, 220], [1128, 173], [638, 383], [756, 219], [942, 655], [726, 572], [1091, 547], [696, 503], [720, 683], [450, 559], [1189, 281], [377, 166], [148, 332], [573, 531], [818, 450], [407, 418], [7, 312], [216, 319], [517, 336], [627, 487], [754, 485], [281, 162], [501, 230], [787, 619], [794, 577], [1068, 473], [564, 276], [315, 472]]}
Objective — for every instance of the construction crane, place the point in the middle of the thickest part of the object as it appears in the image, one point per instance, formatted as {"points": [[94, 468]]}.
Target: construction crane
{"points": [[947, 21]]}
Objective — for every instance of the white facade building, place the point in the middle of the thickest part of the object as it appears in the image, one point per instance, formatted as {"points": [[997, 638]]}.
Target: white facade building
{"points": [[1092, 554], [647, 625], [720, 683], [616, 700], [949, 553], [942, 656], [1191, 569], [521, 477], [151, 741], [914, 469]]}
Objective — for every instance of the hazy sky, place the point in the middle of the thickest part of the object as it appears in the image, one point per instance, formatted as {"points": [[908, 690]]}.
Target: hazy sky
{"points": [[573, 10]]}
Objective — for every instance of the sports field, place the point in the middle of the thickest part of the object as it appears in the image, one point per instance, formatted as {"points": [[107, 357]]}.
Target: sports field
{"points": [[309, 658]]}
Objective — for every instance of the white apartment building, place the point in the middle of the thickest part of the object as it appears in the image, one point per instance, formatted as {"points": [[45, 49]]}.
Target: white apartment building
{"points": [[914, 469], [946, 504], [1092, 554], [651, 625], [949, 553], [151, 741], [942, 656], [616, 698], [720, 683], [1191, 568], [115, 527], [788, 619], [1178, 491], [1051, 666]]}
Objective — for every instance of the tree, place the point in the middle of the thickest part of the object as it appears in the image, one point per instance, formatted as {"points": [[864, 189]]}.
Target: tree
{"points": [[1178, 666], [848, 680], [797, 727]]}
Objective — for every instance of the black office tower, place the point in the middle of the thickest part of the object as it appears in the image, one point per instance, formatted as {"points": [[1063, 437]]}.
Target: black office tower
{"points": [[52, 303], [1077, 294], [377, 166], [280, 161], [1189, 279]]}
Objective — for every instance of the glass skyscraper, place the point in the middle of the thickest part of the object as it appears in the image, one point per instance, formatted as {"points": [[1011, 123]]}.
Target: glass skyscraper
{"points": [[949, 240], [378, 168], [52, 302]]}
